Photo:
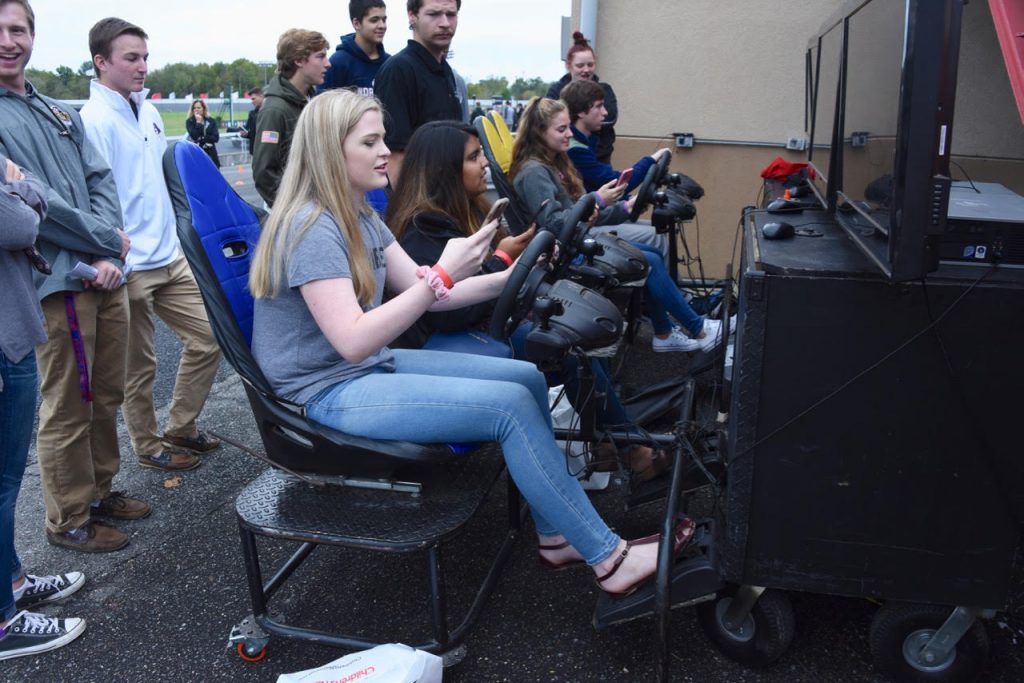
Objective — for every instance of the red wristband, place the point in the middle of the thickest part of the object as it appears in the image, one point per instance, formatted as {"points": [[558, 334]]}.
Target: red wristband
{"points": [[443, 274], [503, 257], [433, 281]]}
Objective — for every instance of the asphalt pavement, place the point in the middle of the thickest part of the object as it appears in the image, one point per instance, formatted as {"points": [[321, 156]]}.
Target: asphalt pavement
{"points": [[162, 609]]}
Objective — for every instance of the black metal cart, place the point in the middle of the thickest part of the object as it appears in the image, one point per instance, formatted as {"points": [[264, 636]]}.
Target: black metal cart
{"points": [[872, 450]]}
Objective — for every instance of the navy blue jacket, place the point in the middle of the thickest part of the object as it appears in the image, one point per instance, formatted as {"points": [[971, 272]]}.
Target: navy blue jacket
{"points": [[352, 68], [595, 173], [611, 104]]}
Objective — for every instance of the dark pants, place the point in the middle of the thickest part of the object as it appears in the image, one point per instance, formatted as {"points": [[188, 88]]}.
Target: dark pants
{"points": [[17, 409]]}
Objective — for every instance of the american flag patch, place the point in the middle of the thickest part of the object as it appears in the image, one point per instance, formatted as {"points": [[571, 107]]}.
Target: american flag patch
{"points": [[270, 137]]}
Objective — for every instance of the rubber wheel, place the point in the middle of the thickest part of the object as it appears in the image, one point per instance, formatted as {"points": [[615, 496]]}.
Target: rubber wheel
{"points": [[900, 629], [764, 637], [245, 656]]}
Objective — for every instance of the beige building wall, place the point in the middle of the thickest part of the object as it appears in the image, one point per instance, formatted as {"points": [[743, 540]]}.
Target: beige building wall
{"points": [[731, 72]]}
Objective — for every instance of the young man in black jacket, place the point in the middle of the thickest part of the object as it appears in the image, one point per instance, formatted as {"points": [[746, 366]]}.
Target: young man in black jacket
{"points": [[249, 131], [417, 84]]}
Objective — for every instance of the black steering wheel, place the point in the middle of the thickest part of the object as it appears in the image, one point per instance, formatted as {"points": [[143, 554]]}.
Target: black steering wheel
{"points": [[656, 175], [579, 213], [573, 230], [523, 285]]}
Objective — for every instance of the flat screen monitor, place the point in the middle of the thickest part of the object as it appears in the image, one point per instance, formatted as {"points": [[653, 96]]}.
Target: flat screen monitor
{"points": [[810, 67], [825, 96], [875, 54], [886, 175]]}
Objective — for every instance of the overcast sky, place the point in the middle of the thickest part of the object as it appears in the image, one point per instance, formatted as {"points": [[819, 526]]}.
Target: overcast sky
{"points": [[495, 37]]}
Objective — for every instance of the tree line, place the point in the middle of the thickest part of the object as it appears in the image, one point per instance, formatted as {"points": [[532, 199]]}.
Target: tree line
{"points": [[65, 83]]}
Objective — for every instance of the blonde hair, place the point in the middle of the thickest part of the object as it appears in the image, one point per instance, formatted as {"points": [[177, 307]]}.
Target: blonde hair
{"points": [[530, 144], [316, 178]]}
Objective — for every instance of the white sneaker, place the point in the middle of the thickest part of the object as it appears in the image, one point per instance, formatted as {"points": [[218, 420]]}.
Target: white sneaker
{"points": [[712, 335], [39, 590], [675, 341], [29, 634]]}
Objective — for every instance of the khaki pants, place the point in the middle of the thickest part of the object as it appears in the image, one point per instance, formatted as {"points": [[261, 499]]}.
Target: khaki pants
{"points": [[171, 293], [77, 440]]}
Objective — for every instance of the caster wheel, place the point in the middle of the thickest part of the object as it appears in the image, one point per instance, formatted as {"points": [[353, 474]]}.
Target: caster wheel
{"points": [[900, 630], [249, 653], [761, 639]]}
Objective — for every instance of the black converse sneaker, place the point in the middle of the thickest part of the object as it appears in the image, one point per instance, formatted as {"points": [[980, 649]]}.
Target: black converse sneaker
{"points": [[28, 634], [39, 590]]}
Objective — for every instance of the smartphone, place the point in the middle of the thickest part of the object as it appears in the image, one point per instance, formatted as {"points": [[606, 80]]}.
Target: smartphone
{"points": [[497, 210], [624, 177], [536, 214]]}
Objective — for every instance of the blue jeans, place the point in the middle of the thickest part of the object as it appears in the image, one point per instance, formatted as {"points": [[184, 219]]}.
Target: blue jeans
{"points": [[17, 408], [665, 298], [441, 397], [468, 341], [610, 411]]}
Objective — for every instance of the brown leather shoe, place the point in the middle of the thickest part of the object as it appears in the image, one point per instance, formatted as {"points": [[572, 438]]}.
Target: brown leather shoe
{"points": [[119, 506], [93, 537], [170, 460], [201, 443]]}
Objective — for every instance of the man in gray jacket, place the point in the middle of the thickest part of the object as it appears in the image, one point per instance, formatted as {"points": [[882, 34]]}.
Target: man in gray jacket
{"points": [[22, 204], [82, 365]]}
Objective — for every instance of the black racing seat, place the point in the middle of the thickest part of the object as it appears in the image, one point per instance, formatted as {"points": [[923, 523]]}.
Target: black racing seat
{"points": [[218, 231], [499, 155]]}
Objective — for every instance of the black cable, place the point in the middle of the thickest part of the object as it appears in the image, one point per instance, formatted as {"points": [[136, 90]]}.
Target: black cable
{"points": [[583, 402], [700, 261], [966, 408], [832, 394], [736, 237], [573, 425], [973, 186], [702, 288]]}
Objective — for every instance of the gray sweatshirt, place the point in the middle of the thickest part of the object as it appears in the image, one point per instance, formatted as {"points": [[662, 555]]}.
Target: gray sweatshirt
{"points": [[46, 137], [537, 182], [22, 206]]}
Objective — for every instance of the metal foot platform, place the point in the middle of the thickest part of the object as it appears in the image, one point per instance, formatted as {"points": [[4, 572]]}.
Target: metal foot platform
{"points": [[281, 506]]}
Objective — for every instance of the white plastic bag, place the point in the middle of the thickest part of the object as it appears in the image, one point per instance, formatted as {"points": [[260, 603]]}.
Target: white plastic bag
{"points": [[564, 416], [392, 663]]}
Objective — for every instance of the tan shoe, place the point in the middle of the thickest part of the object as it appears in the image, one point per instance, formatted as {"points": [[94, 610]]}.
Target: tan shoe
{"points": [[119, 506], [170, 460], [93, 537], [201, 443]]}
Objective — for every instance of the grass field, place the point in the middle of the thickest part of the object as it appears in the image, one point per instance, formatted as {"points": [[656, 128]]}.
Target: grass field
{"points": [[174, 122]]}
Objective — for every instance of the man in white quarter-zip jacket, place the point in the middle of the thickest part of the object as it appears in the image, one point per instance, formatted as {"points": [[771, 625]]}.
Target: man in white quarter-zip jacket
{"points": [[129, 133]]}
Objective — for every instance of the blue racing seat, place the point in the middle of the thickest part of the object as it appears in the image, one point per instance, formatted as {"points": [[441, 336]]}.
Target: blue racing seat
{"points": [[218, 231]]}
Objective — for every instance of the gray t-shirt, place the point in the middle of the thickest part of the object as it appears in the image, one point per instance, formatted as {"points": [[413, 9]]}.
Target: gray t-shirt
{"points": [[293, 353]]}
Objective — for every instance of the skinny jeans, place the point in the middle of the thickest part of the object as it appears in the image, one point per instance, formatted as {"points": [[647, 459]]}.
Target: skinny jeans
{"points": [[665, 298], [442, 397], [17, 408]]}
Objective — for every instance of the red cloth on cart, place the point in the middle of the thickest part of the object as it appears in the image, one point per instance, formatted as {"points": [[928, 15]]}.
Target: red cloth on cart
{"points": [[780, 169]]}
